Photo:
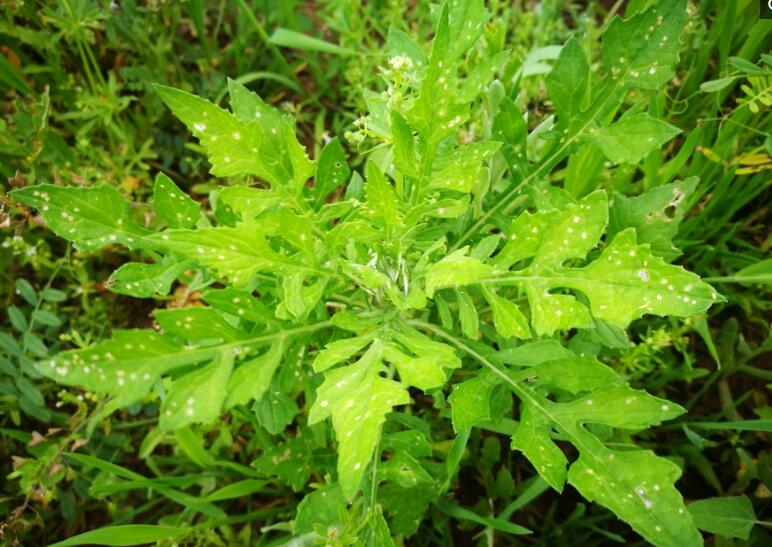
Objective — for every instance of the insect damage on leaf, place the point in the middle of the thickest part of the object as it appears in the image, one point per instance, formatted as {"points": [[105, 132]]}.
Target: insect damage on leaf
{"points": [[323, 297]]}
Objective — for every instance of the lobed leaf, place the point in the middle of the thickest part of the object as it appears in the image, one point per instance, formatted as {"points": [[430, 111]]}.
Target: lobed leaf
{"points": [[635, 484], [655, 215], [625, 282], [357, 398]]}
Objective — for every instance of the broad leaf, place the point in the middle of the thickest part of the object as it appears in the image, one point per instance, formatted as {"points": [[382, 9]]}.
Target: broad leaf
{"points": [[341, 350], [731, 517], [126, 366], [173, 205], [144, 280], [507, 317], [196, 324], [197, 396], [567, 81], [630, 139], [456, 269], [291, 461], [275, 411], [470, 401], [252, 378], [332, 170], [382, 200]]}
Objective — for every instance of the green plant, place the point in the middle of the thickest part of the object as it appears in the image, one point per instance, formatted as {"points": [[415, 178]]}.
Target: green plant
{"points": [[372, 290]]}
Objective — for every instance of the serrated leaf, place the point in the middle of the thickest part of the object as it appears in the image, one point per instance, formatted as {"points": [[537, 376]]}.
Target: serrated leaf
{"points": [[423, 346], [290, 461], [239, 303], [404, 470], [173, 205], [341, 350], [480, 77], [627, 281], [642, 493], [144, 280], [197, 324], [466, 23], [459, 169], [435, 108], [630, 139], [321, 507], [89, 217], [641, 51], [234, 204], [534, 353], [252, 378], [235, 253], [198, 395], [405, 507], [404, 146], [421, 372], [400, 43], [381, 198], [126, 366], [411, 441], [533, 439], [254, 140], [298, 298], [510, 128]]}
